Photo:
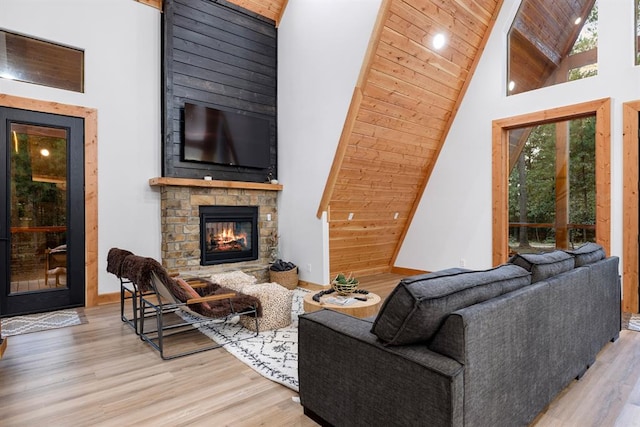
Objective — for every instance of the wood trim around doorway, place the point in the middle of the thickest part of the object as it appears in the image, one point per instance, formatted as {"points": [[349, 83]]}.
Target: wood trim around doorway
{"points": [[630, 218], [90, 117]]}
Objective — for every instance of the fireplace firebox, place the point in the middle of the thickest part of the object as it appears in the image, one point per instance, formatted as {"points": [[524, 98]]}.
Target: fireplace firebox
{"points": [[228, 234]]}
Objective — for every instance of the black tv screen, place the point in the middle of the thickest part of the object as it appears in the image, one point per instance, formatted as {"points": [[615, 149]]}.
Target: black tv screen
{"points": [[225, 137]]}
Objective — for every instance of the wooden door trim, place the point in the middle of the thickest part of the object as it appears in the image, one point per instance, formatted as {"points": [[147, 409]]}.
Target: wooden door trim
{"points": [[630, 176], [90, 117], [602, 110]]}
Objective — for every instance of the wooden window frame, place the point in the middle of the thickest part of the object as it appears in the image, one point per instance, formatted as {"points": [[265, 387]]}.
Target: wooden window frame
{"points": [[630, 194], [500, 128]]}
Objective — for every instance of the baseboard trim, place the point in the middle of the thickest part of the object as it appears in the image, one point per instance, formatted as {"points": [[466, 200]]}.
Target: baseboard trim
{"points": [[312, 286], [3, 346], [407, 271], [108, 298]]}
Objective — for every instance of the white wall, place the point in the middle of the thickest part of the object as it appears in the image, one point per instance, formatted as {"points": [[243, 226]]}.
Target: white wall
{"points": [[454, 218], [121, 40], [321, 46]]}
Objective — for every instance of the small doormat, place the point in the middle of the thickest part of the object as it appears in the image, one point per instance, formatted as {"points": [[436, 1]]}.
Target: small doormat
{"points": [[634, 323], [18, 325]]}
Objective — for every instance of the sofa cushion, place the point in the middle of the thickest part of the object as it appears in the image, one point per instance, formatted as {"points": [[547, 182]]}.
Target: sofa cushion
{"points": [[544, 265], [587, 254], [416, 308]]}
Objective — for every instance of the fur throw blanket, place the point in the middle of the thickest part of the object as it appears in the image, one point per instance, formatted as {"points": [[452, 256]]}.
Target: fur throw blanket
{"points": [[115, 257], [140, 271], [217, 309]]}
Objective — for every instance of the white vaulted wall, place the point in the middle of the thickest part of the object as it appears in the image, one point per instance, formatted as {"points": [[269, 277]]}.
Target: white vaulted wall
{"points": [[121, 41], [321, 47]]}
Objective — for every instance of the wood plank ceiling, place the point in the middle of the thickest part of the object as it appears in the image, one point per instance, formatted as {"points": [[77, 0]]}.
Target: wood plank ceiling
{"points": [[401, 111]]}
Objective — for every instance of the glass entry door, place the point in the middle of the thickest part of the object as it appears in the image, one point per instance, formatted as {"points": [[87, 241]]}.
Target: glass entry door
{"points": [[42, 202]]}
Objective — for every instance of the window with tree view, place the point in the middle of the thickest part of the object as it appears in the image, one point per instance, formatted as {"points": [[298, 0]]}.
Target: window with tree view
{"points": [[552, 185]]}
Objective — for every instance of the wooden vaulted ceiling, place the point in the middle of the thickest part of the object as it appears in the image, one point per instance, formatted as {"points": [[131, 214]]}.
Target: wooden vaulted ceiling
{"points": [[401, 111]]}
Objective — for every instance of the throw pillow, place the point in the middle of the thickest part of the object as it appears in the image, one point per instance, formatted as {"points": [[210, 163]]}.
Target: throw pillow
{"points": [[188, 290], [416, 308], [544, 265], [587, 254]]}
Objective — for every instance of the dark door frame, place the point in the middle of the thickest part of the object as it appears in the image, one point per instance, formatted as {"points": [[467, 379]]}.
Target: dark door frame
{"points": [[71, 295], [90, 116]]}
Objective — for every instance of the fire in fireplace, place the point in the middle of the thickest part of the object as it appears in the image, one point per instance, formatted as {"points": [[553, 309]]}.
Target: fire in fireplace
{"points": [[228, 234]]}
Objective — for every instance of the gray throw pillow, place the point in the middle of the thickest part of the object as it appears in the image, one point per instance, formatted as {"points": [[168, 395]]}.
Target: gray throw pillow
{"points": [[417, 307], [587, 254], [544, 265]]}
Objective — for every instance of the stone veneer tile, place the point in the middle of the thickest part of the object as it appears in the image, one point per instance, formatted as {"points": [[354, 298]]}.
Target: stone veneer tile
{"points": [[181, 227]]}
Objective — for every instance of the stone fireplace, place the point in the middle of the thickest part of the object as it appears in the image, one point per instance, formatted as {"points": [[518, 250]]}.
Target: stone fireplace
{"points": [[181, 202]]}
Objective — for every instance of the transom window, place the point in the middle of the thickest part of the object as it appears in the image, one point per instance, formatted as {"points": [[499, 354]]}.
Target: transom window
{"points": [[552, 42], [31, 60]]}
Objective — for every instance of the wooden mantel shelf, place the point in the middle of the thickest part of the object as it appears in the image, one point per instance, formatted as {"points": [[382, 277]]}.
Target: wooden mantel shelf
{"points": [[185, 182]]}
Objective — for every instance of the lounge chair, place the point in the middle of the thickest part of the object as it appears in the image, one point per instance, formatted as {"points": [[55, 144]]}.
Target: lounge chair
{"points": [[211, 305]]}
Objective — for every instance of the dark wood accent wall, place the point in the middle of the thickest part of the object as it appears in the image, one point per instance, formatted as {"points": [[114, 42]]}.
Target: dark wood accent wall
{"points": [[222, 56]]}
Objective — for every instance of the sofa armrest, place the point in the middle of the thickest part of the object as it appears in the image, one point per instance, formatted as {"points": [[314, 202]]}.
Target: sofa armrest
{"points": [[348, 377]]}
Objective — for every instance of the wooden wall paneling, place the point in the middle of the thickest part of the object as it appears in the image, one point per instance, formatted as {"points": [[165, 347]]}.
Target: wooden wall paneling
{"points": [[630, 211], [410, 93], [493, 10], [223, 56], [153, 3], [354, 107], [272, 9]]}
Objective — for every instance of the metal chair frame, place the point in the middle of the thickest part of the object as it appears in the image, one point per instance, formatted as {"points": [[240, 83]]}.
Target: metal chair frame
{"points": [[167, 303]]}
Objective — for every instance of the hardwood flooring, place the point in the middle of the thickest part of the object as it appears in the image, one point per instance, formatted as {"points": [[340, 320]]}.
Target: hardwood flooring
{"points": [[101, 374]]}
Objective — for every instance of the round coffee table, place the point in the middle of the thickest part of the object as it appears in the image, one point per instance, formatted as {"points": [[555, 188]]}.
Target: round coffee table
{"points": [[357, 308]]}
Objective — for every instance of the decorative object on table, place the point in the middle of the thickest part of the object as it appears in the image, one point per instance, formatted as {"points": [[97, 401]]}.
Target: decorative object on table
{"points": [[284, 273], [344, 285], [316, 297]]}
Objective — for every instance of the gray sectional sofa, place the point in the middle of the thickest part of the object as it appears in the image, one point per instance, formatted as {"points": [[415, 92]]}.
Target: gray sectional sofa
{"points": [[463, 348]]}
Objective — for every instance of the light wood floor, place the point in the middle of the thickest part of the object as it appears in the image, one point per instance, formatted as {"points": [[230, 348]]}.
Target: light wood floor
{"points": [[101, 374]]}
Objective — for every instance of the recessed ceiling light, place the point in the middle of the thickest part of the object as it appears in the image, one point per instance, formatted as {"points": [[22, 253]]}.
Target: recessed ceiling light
{"points": [[44, 152], [512, 85], [578, 20], [438, 41]]}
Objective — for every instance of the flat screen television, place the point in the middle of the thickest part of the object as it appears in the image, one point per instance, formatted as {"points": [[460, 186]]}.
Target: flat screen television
{"points": [[224, 137]]}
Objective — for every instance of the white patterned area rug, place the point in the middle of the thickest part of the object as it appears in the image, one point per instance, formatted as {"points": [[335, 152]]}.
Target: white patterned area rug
{"points": [[273, 354], [634, 323], [26, 324]]}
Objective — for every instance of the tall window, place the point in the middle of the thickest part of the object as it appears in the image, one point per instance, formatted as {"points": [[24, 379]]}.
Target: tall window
{"points": [[552, 189], [552, 179], [552, 42]]}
